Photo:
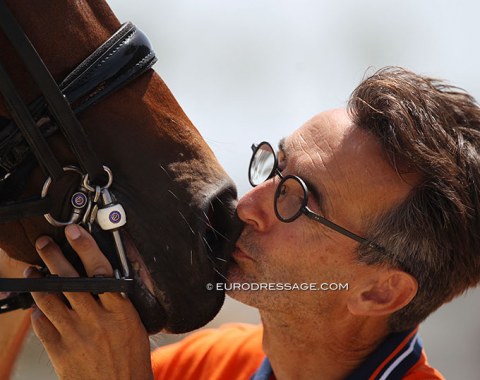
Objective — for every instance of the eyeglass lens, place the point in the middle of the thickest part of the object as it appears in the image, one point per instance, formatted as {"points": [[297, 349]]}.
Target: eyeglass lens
{"points": [[289, 199], [262, 164], [290, 194]]}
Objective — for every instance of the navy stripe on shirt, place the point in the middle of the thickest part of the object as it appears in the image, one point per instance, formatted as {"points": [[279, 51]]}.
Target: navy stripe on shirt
{"points": [[394, 369]]}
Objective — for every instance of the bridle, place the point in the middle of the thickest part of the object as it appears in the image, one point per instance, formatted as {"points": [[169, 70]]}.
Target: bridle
{"points": [[126, 55]]}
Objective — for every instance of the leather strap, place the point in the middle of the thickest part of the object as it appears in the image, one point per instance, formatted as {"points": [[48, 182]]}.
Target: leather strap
{"points": [[67, 284], [23, 119], [25, 209], [122, 58], [126, 55], [58, 105], [24, 300]]}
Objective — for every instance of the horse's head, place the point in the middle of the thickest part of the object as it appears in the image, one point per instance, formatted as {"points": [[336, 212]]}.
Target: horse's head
{"points": [[179, 201]]}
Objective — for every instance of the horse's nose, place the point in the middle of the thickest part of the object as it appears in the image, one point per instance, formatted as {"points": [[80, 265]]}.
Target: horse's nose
{"points": [[222, 227]]}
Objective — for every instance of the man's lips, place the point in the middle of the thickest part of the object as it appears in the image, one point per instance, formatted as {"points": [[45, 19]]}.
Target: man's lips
{"points": [[239, 254]]}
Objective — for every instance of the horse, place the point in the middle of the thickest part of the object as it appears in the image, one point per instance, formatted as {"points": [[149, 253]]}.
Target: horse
{"points": [[179, 201]]}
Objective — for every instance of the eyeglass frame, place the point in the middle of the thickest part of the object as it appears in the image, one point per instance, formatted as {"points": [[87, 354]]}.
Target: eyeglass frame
{"points": [[304, 209]]}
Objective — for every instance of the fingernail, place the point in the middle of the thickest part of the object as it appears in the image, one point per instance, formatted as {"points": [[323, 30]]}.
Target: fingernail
{"points": [[42, 242], [73, 232]]}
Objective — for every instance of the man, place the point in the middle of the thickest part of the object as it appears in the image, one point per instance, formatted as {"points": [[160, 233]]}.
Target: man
{"points": [[374, 207]]}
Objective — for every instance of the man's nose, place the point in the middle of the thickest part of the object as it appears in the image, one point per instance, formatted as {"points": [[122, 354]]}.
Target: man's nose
{"points": [[256, 207]]}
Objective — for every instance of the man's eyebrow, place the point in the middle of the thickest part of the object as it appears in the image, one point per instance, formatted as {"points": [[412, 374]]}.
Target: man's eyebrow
{"points": [[316, 194], [281, 145]]}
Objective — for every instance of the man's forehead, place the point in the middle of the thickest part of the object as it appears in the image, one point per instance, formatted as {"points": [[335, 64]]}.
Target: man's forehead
{"points": [[317, 126], [342, 158], [317, 135]]}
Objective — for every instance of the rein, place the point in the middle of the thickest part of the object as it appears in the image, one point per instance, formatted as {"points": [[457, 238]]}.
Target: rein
{"points": [[126, 55]]}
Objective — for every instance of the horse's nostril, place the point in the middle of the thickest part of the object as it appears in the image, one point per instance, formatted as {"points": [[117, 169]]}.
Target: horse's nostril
{"points": [[220, 220]]}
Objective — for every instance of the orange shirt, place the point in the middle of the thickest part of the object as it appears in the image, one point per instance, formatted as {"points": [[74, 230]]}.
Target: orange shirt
{"points": [[234, 352]]}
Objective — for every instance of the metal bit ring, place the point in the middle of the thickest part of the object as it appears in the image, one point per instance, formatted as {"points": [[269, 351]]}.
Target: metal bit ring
{"points": [[91, 188], [46, 186]]}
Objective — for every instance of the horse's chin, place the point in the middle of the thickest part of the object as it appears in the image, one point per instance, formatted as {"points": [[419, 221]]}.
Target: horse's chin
{"points": [[152, 303], [178, 251], [144, 297], [138, 266]]}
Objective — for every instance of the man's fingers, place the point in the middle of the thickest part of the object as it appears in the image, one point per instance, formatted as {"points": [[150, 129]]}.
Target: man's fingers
{"points": [[52, 256], [56, 262], [49, 315], [95, 263], [44, 328], [93, 260]]}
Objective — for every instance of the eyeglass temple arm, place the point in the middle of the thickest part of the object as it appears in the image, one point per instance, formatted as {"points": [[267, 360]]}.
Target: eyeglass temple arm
{"points": [[339, 229]]}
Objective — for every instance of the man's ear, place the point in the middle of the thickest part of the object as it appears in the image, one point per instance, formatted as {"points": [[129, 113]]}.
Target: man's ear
{"points": [[391, 291]]}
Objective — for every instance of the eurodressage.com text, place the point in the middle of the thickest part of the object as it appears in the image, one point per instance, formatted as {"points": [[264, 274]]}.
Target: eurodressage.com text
{"points": [[278, 286]]}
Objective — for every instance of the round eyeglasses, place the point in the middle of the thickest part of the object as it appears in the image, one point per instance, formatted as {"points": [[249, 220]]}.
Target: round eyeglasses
{"points": [[291, 195]]}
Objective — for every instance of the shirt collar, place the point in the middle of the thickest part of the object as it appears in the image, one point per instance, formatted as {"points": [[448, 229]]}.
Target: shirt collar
{"points": [[391, 359]]}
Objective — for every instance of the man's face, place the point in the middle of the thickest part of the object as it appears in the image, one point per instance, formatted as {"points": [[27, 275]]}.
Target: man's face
{"points": [[350, 182]]}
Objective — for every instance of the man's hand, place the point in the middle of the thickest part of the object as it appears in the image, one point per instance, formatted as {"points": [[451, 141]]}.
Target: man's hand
{"points": [[14, 325], [94, 339]]}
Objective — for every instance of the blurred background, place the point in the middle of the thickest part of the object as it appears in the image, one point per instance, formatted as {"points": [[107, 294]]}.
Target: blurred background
{"points": [[252, 70]]}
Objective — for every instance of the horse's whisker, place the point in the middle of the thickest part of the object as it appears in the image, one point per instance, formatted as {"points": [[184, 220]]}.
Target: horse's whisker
{"points": [[221, 275], [186, 221], [206, 218], [165, 171], [213, 228], [173, 194], [208, 245], [220, 201]]}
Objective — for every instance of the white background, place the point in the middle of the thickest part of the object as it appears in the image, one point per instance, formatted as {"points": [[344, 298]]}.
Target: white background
{"points": [[252, 70]]}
